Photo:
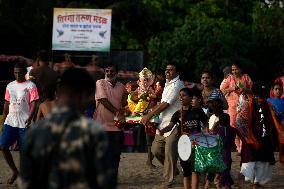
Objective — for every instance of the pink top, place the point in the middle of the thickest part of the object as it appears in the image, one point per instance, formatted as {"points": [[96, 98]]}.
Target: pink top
{"points": [[231, 82], [114, 94], [233, 97]]}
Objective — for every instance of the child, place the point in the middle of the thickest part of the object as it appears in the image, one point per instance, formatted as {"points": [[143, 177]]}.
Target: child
{"points": [[228, 134], [188, 120], [219, 123], [276, 106], [216, 109], [277, 102]]}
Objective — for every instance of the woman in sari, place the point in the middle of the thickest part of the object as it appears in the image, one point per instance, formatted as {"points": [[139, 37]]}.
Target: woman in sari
{"points": [[233, 87], [257, 157]]}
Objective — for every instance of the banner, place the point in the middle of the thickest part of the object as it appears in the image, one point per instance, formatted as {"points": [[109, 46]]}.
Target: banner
{"points": [[81, 29]]}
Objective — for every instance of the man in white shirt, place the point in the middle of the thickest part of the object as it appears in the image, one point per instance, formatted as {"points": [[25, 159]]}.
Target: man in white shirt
{"points": [[164, 148]]}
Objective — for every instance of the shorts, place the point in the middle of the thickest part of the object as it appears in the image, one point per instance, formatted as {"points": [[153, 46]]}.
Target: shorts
{"points": [[12, 134], [187, 167]]}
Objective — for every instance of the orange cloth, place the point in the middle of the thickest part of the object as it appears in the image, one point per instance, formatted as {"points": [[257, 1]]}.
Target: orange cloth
{"points": [[279, 133]]}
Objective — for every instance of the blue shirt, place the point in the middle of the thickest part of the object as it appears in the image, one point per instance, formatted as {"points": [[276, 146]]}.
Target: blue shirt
{"points": [[278, 107]]}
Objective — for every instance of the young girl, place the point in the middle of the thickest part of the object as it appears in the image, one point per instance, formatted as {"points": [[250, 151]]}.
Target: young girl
{"points": [[277, 102], [219, 124], [228, 134], [276, 107], [188, 120]]}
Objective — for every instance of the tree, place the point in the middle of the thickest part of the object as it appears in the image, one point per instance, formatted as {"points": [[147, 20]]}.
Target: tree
{"points": [[203, 42], [268, 38]]}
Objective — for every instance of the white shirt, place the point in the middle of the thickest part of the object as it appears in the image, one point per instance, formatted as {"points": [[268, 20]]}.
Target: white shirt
{"points": [[20, 96], [171, 96], [212, 121]]}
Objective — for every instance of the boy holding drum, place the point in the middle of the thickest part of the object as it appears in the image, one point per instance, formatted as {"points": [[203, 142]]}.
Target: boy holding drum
{"points": [[190, 120]]}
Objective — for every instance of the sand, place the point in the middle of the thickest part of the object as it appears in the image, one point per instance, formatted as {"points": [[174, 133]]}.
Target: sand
{"points": [[134, 174]]}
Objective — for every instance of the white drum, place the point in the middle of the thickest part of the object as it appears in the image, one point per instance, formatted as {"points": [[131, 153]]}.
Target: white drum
{"points": [[204, 139], [186, 143], [184, 147]]}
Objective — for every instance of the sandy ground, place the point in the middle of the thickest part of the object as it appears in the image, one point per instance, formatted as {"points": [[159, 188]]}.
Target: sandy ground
{"points": [[133, 174]]}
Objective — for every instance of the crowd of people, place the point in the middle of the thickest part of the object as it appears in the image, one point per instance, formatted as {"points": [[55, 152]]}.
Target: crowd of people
{"points": [[68, 142]]}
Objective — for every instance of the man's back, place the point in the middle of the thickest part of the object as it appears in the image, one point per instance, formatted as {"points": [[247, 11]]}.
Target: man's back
{"points": [[66, 151]]}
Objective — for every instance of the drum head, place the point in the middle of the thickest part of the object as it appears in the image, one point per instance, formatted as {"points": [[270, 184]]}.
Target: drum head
{"points": [[184, 147], [204, 139]]}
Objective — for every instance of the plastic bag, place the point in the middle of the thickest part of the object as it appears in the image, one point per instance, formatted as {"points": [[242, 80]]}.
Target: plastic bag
{"points": [[209, 159]]}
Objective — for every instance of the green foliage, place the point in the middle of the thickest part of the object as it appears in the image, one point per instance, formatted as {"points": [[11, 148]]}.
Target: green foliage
{"points": [[219, 33], [202, 43], [197, 34], [268, 37]]}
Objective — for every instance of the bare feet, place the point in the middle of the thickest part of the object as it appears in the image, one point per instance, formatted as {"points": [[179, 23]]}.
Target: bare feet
{"points": [[12, 179]]}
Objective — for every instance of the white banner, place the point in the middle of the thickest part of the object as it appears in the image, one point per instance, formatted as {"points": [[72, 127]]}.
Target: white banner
{"points": [[81, 29]]}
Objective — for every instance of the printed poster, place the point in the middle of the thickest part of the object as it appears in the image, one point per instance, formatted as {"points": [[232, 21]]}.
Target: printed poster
{"points": [[81, 29]]}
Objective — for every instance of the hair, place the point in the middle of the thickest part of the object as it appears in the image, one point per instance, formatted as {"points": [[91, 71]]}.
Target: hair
{"points": [[187, 91], [197, 93], [177, 67], [76, 80], [224, 120], [216, 105], [207, 72], [21, 65], [235, 64], [50, 91], [107, 65], [43, 56]]}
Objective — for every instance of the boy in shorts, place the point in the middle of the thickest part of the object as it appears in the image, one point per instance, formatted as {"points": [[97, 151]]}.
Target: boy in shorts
{"points": [[20, 104]]}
